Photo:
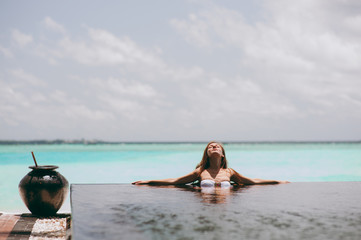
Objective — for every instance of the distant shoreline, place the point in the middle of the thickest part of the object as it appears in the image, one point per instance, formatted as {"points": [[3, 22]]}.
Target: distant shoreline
{"points": [[94, 142]]}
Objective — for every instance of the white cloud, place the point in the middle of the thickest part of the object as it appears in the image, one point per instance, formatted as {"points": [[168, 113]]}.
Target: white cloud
{"points": [[82, 113], [28, 77], [195, 31], [23, 103], [103, 48], [51, 53], [6, 52], [54, 26], [290, 37], [20, 38], [214, 27], [128, 99], [130, 109], [353, 23], [127, 88], [60, 97], [295, 51], [241, 79]]}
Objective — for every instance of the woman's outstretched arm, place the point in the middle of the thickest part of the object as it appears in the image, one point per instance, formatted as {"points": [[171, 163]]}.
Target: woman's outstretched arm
{"points": [[240, 179], [191, 177]]}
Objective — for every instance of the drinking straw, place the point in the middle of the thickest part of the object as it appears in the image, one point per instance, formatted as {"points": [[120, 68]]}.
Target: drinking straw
{"points": [[34, 159]]}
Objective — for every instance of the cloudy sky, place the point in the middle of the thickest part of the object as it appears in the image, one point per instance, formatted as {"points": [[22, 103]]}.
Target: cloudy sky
{"points": [[180, 70]]}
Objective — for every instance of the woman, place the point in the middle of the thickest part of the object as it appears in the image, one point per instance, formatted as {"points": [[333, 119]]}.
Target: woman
{"points": [[212, 171]]}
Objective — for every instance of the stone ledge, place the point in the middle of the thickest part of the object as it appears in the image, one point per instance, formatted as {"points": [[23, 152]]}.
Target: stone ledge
{"points": [[28, 226]]}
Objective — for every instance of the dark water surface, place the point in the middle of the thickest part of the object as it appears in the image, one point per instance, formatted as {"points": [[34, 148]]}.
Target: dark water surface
{"points": [[329, 210]]}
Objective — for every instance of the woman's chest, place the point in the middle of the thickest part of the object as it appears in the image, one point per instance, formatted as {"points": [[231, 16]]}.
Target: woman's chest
{"points": [[222, 175]]}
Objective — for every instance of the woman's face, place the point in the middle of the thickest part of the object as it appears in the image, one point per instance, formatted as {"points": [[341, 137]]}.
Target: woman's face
{"points": [[214, 148]]}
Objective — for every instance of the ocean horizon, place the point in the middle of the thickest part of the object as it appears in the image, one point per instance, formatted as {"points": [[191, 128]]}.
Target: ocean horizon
{"points": [[98, 141], [125, 162]]}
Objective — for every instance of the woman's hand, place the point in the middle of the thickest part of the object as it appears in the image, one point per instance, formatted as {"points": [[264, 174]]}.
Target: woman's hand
{"points": [[283, 182], [140, 182], [191, 177]]}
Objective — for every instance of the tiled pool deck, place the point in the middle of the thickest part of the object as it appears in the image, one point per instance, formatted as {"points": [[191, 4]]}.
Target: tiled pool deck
{"points": [[27, 226]]}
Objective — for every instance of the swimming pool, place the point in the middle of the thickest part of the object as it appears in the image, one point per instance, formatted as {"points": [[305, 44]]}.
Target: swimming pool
{"points": [[285, 211], [128, 162]]}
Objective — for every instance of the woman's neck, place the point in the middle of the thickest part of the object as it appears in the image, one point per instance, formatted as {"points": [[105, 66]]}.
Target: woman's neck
{"points": [[215, 163]]}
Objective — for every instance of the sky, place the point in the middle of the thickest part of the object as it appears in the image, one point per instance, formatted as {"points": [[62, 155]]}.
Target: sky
{"points": [[193, 70]]}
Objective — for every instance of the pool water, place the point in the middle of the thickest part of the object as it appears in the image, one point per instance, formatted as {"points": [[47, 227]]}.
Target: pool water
{"points": [[128, 162], [285, 211]]}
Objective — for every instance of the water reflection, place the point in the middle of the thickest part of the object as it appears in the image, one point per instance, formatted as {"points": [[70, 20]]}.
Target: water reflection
{"points": [[213, 195]]}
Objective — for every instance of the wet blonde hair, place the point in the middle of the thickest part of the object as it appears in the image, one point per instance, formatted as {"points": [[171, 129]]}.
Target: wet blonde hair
{"points": [[204, 164]]}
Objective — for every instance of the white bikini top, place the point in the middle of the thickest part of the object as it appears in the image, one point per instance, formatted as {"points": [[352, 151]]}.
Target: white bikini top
{"points": [[211, 183]]}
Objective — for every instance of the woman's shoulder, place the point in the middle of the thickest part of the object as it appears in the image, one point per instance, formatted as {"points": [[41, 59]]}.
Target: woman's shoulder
{"points": [[198, 170], [231, 171]]}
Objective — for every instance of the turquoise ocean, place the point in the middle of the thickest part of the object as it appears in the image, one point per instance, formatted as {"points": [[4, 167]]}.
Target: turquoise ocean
{"points": [[128, 162]]}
